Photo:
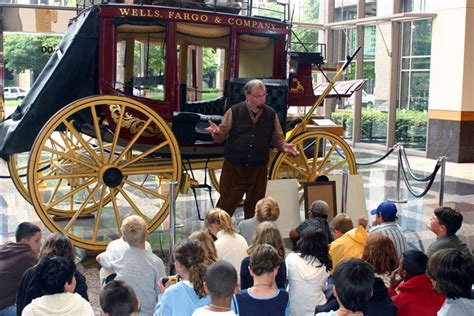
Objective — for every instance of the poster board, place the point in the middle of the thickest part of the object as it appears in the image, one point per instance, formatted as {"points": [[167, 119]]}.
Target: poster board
{"points": [[285, 192], [325, 191]]}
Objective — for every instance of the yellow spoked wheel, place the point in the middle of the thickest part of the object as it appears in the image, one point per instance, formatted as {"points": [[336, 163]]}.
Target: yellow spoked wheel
{"points": [[214, 176], [124, 169], [17, 167], [321, 153]]}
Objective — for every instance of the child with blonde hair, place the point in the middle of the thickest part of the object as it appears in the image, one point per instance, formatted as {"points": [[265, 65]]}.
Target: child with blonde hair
{"points": [[230, 246], [266, 209]]}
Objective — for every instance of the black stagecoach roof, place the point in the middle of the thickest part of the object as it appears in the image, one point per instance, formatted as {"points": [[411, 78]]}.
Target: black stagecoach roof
{"points": [[69, 75]]}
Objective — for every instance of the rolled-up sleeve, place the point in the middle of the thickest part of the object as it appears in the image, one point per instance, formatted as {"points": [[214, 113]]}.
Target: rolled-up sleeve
{"points": [[278, 139], [225, 127]]}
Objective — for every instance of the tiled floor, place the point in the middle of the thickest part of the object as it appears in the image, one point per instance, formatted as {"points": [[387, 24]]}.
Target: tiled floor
{"points": [[379, 184]]}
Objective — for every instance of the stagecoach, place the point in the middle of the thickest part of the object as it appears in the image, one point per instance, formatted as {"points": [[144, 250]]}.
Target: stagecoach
{"points": [[117, 114]]}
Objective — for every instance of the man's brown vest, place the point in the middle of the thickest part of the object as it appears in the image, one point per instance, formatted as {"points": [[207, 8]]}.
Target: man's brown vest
{"points": [[249, 144]]}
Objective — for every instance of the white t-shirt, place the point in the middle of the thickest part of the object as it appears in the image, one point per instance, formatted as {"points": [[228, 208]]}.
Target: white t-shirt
{"points": [[231, 248], [203, 311], [306, 284]]}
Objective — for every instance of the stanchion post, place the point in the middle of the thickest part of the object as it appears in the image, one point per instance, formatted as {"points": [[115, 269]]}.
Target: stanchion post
{"points": [[441, 180], [398, 198], [172, 236], [345, 185]]}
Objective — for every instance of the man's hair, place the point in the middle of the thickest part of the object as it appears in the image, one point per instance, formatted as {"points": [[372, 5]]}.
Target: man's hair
{"points": [[264, 259], [254, 83], [342, 223], [380, 253], [53, 273], [453, 272], [26, 230], [414, 262], [134, 230], [221, 279], [354, 283], [450, 218], [267, 210], [59, 245], [118, 298]]}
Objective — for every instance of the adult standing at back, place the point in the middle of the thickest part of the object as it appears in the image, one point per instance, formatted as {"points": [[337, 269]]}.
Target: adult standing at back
{"points": [[249, 128], [385, 223], [15, 259]]}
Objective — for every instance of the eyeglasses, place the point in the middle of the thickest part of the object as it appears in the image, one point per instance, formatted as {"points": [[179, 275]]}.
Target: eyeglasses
{"points": [[258, 96]]}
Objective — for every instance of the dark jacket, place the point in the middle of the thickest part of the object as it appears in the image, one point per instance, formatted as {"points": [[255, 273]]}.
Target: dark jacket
{"points": [[15, 258], [416, 296], [30, 288], [248, 143]]}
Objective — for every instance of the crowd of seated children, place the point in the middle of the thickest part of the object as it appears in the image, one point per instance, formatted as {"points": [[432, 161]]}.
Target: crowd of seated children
{"points": [[452, 274], [230, 245], [15, 259], [445, 223], [221, 284], [317, 217], [266, 209], [308, 271], [118, 298], [57, 282], [264, 297], [353, 284], [206, 242], [415, 295], [188, 294], [58, 245], [266, 233], [137, 266], [380, 253]]}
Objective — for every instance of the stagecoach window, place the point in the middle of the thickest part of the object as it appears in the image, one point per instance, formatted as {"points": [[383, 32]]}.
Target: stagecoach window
{"points": [[140, 60], [256, 56]]}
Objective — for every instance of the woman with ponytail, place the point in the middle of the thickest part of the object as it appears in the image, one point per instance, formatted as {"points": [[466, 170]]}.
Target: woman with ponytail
{"points": [[187, 295], [230, 246]]}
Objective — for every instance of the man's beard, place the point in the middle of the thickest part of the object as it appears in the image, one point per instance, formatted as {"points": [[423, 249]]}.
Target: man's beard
{"points": [[260, 106]]}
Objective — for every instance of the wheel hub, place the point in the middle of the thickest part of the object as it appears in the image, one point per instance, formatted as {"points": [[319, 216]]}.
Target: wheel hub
{"points": [[112, 177]]}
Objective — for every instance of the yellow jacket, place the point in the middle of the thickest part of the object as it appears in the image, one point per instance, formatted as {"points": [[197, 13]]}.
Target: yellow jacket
{"points": [[349, 245]]}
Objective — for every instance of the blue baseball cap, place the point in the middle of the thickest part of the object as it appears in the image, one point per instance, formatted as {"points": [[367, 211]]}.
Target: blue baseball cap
{"points": [[386, 210]]}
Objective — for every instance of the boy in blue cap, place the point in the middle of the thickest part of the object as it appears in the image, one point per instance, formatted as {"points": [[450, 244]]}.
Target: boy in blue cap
{"points": [[385, 223]]}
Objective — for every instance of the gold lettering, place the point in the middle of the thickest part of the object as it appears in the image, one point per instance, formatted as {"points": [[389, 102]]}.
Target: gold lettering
{"points": [[247, 23], [267, 25], [231, 21], [178, 16], [195, 17], [260, 25], [185, 16], [171, 14], [254, 23], [156, 14], [134, 12], [217, 20], [124, 11], [238, 22], [203, 18]]}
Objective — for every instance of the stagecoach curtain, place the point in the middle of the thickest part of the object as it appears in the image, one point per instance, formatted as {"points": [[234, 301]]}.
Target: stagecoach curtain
{"points": [[69, 75]]}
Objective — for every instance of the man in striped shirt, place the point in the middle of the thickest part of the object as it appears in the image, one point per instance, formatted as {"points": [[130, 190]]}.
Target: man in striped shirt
{"points": [[385, 223]]}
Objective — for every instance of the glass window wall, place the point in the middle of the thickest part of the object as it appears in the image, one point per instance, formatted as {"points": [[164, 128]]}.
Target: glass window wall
{"points": [[411, 122]]}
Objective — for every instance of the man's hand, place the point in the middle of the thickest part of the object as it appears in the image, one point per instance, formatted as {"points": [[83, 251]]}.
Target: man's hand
{"points": [[290, 149], [213, 128]]}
